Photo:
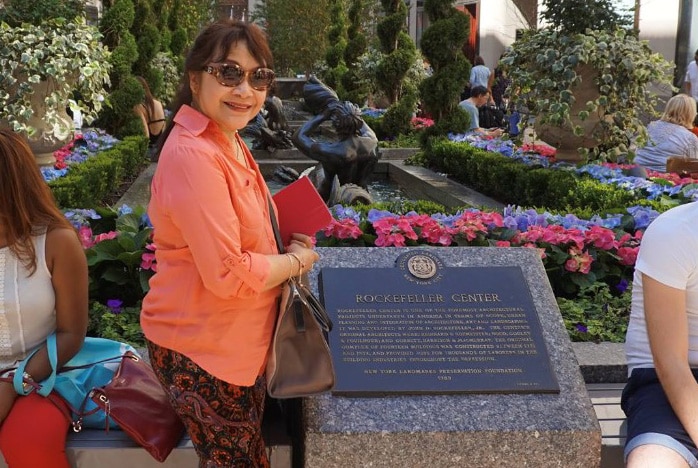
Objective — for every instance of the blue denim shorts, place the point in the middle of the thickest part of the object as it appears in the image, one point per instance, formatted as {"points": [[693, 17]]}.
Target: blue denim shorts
{"points": [[650, 418]]}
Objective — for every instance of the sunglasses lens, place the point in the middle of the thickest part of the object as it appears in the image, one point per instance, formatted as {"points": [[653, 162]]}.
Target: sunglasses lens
{"points": [[231, 75], [261, 78]]}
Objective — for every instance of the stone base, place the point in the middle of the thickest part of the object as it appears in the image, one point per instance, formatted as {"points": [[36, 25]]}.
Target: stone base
{"points": [[45, 159], [472, 449], [471, 430]]}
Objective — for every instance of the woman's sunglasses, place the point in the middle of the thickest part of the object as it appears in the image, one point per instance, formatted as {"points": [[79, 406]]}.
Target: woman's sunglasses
{"points": [[232, 74]]}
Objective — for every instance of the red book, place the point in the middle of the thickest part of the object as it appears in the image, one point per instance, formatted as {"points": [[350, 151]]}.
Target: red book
{"points": [[300, 209]]}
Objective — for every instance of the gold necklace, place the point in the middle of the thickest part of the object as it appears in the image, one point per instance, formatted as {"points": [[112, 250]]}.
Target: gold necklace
{"points": [[240, 153]]}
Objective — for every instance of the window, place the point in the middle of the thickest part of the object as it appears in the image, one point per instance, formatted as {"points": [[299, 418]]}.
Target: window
{"points": [[233, 9]]}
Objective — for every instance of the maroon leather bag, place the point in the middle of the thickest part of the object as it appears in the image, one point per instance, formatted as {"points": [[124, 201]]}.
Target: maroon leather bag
{"points": [[139, 405]]}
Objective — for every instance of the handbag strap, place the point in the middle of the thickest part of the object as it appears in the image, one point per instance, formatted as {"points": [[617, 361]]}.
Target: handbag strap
{"points": [[46, 386], [298, 288], [275, 227]]}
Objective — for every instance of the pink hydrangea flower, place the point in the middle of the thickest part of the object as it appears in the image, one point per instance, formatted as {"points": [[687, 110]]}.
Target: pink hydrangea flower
{"points": [[346, 228], [85, 235]]}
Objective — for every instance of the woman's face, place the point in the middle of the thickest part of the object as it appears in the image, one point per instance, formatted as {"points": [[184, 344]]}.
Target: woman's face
{"points": [[230, 107]]}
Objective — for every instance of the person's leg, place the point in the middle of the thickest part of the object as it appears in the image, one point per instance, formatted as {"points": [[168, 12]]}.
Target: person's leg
{"points": [[224, 421], [655, 436], [34, 434], [657, 456]]}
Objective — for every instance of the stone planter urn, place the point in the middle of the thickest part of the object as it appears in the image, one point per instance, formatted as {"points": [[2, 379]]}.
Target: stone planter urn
{"points": [[43, 64], [48, 139], [563, 138]]}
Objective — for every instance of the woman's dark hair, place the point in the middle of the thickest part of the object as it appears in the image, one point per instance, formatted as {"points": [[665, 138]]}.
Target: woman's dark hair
{"points": [[212, 45], [479, 60], [149, 99], [27, 206]]}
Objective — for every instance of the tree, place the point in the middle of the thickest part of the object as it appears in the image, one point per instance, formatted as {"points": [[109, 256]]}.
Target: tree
{"points": [[190, 16], [576, 16], [148, 40], [125, 92], [442, 45], [337, 39], [353, 84], [398, 55], [297, 32]]}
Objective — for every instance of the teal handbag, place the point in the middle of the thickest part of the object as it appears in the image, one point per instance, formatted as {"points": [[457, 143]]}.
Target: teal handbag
{"points": [[93, 366]]}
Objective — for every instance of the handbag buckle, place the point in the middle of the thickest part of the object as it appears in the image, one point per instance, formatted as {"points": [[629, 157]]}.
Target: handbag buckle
{"points": [[77, 425]]}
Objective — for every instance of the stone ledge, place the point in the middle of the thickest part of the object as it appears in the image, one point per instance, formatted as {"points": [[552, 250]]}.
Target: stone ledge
{"points": [[602, 362]]}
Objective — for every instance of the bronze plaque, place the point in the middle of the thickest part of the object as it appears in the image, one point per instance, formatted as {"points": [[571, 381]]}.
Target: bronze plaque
{"points": [[424, 328]]}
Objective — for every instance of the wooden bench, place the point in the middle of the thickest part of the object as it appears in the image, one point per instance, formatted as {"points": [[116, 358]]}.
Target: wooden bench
{"points": [[606, 401], [93, 448]]}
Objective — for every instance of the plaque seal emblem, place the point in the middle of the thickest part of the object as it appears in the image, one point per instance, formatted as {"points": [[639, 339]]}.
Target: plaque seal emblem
{"points": [[420, 266]]}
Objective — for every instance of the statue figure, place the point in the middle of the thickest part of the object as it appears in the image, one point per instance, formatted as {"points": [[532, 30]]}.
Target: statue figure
{"points": [[349, 154], [270, 133]]}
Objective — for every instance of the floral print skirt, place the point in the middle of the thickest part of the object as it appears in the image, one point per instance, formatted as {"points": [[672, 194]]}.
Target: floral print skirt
{"points": [[223, 420]]}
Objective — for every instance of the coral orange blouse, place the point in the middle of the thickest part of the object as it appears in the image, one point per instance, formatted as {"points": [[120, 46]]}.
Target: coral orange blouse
{"points": [[212, 233]]}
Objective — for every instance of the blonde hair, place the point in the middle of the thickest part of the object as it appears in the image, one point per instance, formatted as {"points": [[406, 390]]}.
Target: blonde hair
{"points": [[681, 110]]}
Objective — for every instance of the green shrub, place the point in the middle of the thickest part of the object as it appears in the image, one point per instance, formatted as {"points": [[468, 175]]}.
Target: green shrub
{"points": [[596, 314], [90, 182], [115, 264], [120, 324], [509, 181]]}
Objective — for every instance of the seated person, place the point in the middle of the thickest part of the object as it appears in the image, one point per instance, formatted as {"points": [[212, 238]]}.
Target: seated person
{"points": [[479, 96], [660, 399], [671, 135], [151, 113]]}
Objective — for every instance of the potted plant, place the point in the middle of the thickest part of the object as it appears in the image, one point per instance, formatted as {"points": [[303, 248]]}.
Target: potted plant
{"points": [[586, 80], [46, 68]]}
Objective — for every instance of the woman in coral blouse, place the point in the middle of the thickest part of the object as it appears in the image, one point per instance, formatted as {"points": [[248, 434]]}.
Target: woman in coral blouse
{"points": [[211, 308]]}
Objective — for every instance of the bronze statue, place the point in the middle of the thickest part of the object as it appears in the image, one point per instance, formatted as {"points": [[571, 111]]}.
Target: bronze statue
{"points": [[270, 133], [349, 153]]}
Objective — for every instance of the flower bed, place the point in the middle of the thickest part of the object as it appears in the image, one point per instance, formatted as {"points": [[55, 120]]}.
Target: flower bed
{"points": [[670, 188], [85, 144], [121, 260], [589, 262]]}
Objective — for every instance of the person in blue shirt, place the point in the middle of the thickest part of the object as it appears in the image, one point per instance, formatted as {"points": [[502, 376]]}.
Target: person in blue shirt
{"points": [[479, 96], [480, 75]]}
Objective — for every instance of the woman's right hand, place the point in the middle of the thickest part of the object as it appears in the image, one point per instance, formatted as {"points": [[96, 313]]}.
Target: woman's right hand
{"points": [[302, 247]]}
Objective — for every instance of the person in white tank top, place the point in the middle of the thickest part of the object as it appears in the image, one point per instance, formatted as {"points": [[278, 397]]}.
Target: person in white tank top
{"points": [[43, 289]]}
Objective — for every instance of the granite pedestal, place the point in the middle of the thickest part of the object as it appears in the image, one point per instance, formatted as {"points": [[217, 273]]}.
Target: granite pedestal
{"points": [[463, 430]]}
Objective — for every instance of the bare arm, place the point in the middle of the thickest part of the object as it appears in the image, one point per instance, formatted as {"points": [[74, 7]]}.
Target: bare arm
{"points": [[301, 138], [667, 327], [138, 110], [68, 266]]}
